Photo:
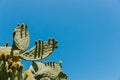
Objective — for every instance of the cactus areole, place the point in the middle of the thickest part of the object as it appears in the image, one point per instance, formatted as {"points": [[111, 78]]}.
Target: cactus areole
{"points": [[10, 58]]}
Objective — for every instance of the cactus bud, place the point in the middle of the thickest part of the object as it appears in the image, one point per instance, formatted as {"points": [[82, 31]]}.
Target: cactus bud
{"points": [[18, 24], [60, 63]]}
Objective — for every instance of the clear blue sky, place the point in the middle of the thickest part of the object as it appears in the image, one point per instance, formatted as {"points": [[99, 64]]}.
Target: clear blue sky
{"points": [[88, 32]]}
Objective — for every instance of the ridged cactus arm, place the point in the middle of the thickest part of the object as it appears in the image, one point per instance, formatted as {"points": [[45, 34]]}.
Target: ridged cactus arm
{"points": [[21, 38], [48, 71], [41, 50]]}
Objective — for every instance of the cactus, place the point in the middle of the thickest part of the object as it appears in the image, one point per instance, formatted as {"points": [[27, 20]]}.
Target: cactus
{"points": [[10, 58]]}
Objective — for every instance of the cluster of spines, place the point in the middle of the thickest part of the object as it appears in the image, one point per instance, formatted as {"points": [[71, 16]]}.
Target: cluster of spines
{"points": [[53, 64], [23, 27], [41, 45]]}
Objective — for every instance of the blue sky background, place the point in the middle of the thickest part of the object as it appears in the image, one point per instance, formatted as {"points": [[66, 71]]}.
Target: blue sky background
{"points": [[88, 32]]}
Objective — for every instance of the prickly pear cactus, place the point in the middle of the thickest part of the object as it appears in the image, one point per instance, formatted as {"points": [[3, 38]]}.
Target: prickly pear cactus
{"points": [[10, 58]]}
